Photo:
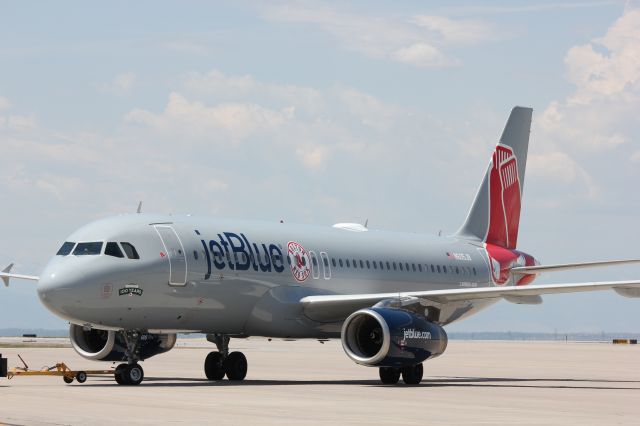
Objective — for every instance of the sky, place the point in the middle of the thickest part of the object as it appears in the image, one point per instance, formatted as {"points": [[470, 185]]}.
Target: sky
{"points": [[325, 112]]}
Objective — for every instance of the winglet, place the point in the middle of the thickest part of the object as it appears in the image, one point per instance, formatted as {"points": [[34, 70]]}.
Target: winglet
{"points": [[5, 278]]}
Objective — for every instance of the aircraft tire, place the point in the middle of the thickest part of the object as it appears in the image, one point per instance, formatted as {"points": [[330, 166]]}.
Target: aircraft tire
{"points": [[120, 375], [214, 366], [134, 374], [235, 366], [412, 375], [389, 375]]}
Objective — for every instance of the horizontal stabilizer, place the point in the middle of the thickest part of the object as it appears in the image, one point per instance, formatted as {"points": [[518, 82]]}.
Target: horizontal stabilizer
{"points": [[533, 270], [6, 275]]}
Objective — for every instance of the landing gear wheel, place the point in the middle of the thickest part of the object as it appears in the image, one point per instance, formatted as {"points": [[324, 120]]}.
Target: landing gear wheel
{"points": [[67, 380], [214, 366], [134, 374], [119, 374], [235, 366], [81, 376], [412, 375], [389, 375]]}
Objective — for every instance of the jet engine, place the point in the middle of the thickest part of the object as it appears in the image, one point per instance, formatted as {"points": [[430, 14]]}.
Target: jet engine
{"points": [[107, 345], [389, 337]]}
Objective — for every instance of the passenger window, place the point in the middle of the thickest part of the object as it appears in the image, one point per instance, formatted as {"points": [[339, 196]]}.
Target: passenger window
{"points": [[413, 267], [195, 254], [340, 262], [347, 261], [438, 266], [444, 268], [420, 267], [333, 262], [355, 265], [130, 251], [375, 265], [407, 265], [368, 265], [400, 264], [394, 266], [324, 260], [474, 270], [112, 249], [389, 266], [88, 249], [65, 249]]}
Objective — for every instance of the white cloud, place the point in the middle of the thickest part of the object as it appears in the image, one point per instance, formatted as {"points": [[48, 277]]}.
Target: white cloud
{"points": [[413, 41], [121, 84], [421, 54], [4, 103], [601, 113], [21, 122], [238, 120], [457, 30], [559, 170]]}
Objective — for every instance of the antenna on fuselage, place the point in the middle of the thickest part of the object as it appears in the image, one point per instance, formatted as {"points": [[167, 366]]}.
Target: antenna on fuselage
{"points": [[366, 223], [139, 207]]}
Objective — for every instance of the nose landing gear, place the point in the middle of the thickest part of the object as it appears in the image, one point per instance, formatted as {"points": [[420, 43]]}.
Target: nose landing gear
{"points": [[130, 373], [221, 363]]}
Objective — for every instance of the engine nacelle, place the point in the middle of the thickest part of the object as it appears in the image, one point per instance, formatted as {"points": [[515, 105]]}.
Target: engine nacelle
{"points": [[388, 337], [106, 345]]}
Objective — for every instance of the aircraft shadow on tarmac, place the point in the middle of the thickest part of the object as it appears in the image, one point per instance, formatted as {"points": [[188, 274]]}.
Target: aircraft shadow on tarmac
{"points": [[437, 381]]}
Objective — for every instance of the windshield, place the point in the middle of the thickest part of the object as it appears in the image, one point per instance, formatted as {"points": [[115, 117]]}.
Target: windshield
{"points": [[66, 248], [83, 249]]}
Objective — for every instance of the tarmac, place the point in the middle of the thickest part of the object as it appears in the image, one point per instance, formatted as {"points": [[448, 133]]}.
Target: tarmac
{"points": [[306, 382]]}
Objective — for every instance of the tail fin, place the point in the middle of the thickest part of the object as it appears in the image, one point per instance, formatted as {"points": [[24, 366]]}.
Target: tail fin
{"points": [[495, 214]]}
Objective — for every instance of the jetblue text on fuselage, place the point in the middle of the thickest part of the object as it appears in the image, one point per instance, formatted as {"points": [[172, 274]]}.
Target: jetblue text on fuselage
{"points": [[236, 252]]}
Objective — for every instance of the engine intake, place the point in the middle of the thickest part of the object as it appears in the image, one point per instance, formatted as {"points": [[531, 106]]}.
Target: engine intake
{"points": [[391, 338], [108, 345]]}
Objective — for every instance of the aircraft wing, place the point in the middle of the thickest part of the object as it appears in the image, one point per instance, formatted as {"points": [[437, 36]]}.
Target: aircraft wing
{"points": [[6, 275], [335, 307]]}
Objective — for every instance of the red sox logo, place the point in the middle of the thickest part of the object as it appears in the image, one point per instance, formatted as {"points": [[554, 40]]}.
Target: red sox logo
{"points": [[504, 198], [300, 264]]}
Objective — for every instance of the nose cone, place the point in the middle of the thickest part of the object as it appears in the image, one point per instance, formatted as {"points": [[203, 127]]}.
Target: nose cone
{"points": [[59, 286]]}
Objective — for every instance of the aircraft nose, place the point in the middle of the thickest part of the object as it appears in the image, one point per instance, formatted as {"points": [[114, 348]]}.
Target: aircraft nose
{"points": [[58, 287]]}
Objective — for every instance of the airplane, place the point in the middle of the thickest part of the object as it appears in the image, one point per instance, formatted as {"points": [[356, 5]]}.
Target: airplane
{"points": [[128, 284]]}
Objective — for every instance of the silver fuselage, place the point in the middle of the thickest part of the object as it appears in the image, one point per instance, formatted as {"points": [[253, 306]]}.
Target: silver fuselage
{"points": [[200, 274]]}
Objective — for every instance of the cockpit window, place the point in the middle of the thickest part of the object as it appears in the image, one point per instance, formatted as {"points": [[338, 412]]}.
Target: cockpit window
{"points": [[112, 249], [85, 249], [66, 248], [130, 251]]}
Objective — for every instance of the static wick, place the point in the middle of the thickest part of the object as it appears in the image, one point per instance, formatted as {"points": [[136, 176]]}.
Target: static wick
{"points": [[139, 207]]}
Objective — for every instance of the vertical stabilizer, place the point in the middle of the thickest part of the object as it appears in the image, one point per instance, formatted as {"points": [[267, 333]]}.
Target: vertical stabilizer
{"points": [[495, 214]]}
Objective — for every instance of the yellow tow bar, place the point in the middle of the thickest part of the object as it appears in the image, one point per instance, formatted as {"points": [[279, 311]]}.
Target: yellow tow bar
{"points": [[60, 369]]}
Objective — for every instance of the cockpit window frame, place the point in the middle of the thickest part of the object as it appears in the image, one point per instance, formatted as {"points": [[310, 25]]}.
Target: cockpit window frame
{"points": [[102, 246], [65, 244], [122, 253], [135, 254]]}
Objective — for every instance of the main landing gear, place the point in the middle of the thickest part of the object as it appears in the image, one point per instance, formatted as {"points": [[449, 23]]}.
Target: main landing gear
{"points": [[220, 363], [130, 373], [411, 375]]}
